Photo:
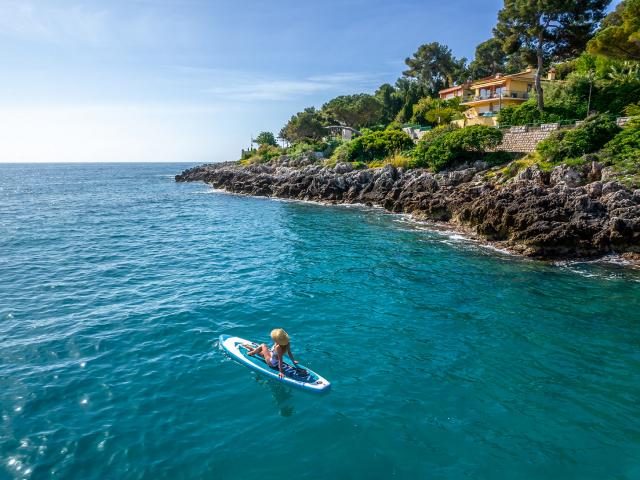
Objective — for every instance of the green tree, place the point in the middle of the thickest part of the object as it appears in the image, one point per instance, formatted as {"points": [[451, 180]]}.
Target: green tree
{"points": [[266, 138], [435, 67], [626, 73], [490, 59], [357, 111], [410, 92], [547, 30], [434, 111], [391, 101], [307, 125], [619, 36]]}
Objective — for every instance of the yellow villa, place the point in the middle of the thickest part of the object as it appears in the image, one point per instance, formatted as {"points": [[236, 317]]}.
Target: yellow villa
{"points": [[489, 95]]}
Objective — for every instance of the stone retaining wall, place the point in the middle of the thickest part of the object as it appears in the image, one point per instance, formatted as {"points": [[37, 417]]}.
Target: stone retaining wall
{"points": [[522, 142], [524, 139]]}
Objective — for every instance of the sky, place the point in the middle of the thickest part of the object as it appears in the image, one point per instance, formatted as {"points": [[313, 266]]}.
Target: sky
{"points": [[193, 80]]}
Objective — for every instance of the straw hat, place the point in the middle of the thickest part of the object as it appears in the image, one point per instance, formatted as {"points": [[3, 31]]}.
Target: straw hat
{"points": [[279, 336]]}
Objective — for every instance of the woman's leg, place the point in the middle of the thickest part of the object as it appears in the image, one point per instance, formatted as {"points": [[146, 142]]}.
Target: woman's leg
{"points": [[266, 353], [259, 349]]}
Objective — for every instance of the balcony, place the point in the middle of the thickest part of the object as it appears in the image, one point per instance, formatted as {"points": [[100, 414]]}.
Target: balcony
{"points": [[509, 94]]}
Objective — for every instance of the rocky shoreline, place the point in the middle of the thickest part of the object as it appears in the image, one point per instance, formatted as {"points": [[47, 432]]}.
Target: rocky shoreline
{"points": [[565, 213]]}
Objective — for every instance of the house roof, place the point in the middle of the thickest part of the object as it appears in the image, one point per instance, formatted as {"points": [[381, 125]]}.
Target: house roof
{"points": [[500, 78], [455, 87], [451, 89]]}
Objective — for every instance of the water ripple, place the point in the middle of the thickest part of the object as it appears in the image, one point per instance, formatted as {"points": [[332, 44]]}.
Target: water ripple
{"points": [[447, 360]]}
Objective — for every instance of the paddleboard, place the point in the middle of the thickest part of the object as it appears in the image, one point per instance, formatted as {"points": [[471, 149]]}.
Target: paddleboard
{"points": [[299, 376]]}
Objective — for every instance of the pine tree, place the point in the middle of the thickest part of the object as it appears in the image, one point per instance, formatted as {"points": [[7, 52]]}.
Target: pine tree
{"points": [[542, 31]]}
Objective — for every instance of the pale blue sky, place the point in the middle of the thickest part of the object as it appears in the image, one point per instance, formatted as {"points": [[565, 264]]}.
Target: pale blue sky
{"points": [[192, 80]]}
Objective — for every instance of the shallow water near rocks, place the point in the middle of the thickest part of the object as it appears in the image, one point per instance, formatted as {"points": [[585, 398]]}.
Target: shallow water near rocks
{"points": [[448, 360]]}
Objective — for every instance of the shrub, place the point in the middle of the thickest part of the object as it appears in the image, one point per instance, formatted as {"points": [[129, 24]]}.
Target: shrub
{"points": [[300, 149], [443, 148], [591, 136], [632, 110], [395, 125], [341, 153], [359, 165], [613, 96], [398, 160], [329, 147], [478, 138], [566, 100], [622, 153], [262, 155], [378, 145], [528, 113], [420, 154], [430, 135], [625, 146]]}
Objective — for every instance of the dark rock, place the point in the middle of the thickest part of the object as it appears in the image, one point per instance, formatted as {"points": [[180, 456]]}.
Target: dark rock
{"points": [[537, 213], [567, 175], [610, 187], [343, 168]]}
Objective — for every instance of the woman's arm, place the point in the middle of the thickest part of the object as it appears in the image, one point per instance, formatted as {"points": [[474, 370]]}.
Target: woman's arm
{"points": [[280, 362], [291, 354]]}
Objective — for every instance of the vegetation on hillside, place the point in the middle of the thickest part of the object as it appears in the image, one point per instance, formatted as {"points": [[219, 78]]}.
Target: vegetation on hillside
{"points": [[446, 146], [547, 30], [591, 136], [597, 60]]}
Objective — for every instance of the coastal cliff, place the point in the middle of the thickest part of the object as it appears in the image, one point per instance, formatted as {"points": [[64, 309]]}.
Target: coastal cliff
{"points": [[564, 213]]}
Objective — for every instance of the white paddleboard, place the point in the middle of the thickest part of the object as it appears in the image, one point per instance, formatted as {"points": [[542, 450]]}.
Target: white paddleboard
{"points": [[298, 376]]}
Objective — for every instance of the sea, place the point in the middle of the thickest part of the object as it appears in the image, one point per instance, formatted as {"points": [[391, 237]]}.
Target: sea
{"points": [[447, 359]]}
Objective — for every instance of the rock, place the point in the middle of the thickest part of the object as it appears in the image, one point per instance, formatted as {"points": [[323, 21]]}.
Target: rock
{"points": [[595, 171], [343, 167], [611, 187], [532, 173], [567, 175], [594, 190], [538, 214]]}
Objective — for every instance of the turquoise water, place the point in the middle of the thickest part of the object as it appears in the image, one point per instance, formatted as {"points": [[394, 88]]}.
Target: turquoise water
{"points": [[447, 360]]}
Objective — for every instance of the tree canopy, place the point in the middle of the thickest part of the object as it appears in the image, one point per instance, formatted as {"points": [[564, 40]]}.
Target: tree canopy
{"points": [[304, 126], [490, 59], [434, 111], [357, 111], [435, 67], [547, 30], [266, 138], [620, 34], [410, 92], [391, 101]]}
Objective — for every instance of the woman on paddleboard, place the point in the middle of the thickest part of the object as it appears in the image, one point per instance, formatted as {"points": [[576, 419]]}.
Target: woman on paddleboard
{"points": [[274, 356]]}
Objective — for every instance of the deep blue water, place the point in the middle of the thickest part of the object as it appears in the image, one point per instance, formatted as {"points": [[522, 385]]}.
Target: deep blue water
{"points": [[447, 360]]}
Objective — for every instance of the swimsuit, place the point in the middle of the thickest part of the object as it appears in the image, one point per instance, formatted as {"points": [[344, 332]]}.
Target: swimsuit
{"points": [[273, 361]]}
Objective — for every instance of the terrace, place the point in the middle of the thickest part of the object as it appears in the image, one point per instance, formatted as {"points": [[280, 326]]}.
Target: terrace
{"points": [[496, 94]]}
